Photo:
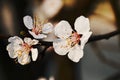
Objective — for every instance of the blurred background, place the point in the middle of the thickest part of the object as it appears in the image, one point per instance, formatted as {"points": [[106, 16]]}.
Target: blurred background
{"points": [[101, 59]]}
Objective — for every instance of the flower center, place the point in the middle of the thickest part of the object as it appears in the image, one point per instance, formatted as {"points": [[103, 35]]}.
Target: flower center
{"points": [[26, 47], [36, 30], [74, 39]]}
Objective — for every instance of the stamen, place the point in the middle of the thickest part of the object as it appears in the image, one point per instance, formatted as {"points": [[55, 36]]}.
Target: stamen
{"points": [[37, 29], [74, 39], [26, 48]]}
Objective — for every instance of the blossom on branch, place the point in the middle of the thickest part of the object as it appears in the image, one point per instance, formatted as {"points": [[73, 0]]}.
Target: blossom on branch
{"points": [[72, 42], [19, 49], [37, 29]]}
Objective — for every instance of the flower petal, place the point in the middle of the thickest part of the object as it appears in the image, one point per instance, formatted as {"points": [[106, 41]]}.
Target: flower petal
{"points": [[24, 59], [34, 52], [39, 36], [63, 30], [47, 28], [61, 47], [13, 50], [29, 41], [28, 22], [34, 42], [85, 38], [16, 40], [75, 54], [82, 25]]}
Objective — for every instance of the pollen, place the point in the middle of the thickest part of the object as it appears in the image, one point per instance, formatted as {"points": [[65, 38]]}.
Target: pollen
{"points": [[26, 47], [73, 39], [36, 30]]}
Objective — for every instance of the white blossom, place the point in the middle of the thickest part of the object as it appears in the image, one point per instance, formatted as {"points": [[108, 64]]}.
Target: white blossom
{"points": [[72, 42], [20, 49], [38, 29]]}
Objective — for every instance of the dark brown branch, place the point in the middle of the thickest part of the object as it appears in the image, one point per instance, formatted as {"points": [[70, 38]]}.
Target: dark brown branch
{"points": [[46, 43], [104, 36], [92, 38]]}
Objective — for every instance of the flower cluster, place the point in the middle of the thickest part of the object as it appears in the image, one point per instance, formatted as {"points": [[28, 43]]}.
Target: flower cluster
{"points": [[68, 41], [20, 49], [37, 29], [72, 42]]}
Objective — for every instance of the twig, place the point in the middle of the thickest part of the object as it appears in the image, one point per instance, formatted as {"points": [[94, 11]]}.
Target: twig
{"points": [[104, 36], [91, 39], [46, 43]]}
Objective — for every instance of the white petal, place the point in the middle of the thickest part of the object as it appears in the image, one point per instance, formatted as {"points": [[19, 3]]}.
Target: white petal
{"points": [[39, 36], [52, 7], [29, 41], [61, 47], [63, 30], [12, 50], [16, 40], [82, 25], [85, 38], [34, 42], [24, 59], [28, 22], [47, 28], [75, 54], [34, 52]]}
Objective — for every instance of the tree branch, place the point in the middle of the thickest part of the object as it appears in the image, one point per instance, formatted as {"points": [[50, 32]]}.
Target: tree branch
{"points": [[91, 39], [103, 36]]}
